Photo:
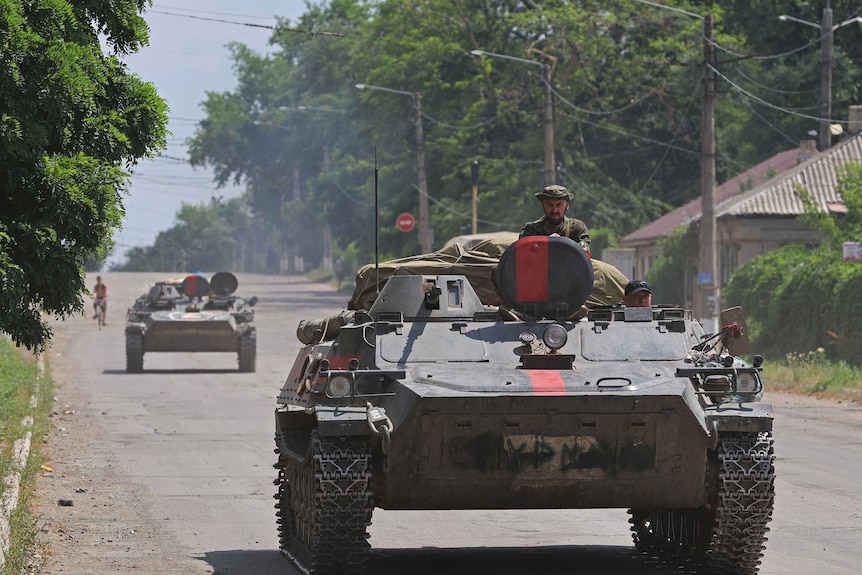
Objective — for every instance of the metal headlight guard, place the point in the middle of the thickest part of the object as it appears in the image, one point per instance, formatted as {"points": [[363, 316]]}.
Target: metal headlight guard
{"points": [[744, 381], [358, 383]]}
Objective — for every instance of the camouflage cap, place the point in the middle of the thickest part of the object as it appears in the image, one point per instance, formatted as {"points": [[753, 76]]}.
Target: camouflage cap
{"points": [[554, 192]]}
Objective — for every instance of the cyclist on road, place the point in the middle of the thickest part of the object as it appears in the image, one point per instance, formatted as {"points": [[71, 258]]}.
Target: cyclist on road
{"points": [[100, 291]]}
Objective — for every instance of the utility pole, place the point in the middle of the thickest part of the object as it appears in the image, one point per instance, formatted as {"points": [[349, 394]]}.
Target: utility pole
{"points": [[708, 280], [827, 36], [550, 162], [826, 39]]}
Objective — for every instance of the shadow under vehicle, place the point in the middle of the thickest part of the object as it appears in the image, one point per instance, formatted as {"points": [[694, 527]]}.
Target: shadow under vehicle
{"points": [[432, 400], [192, 314]]}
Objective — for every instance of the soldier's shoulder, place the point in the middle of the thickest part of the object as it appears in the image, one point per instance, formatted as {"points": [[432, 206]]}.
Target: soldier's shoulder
{"points": [[534, 227]]}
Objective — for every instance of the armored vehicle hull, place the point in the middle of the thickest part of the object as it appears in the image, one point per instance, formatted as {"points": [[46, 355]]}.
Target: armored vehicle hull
{"points": [[431, 400], [192, 315]]}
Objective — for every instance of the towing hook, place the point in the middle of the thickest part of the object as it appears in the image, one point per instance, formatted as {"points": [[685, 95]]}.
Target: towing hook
{"points": [[380, 424]]}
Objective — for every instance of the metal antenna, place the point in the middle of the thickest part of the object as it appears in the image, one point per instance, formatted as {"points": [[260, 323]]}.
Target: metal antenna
{"points": [[376, 229]]}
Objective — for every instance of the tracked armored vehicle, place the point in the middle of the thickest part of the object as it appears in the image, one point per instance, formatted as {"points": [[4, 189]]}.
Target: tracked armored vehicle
{"points": [[432, 400], [192, 314]]}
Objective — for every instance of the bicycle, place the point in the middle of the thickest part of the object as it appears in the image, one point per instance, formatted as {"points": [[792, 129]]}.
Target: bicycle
{"points": [[99, 316]]}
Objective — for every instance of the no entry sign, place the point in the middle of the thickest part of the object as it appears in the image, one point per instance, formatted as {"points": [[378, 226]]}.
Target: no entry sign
{"points": [[405, 222]]}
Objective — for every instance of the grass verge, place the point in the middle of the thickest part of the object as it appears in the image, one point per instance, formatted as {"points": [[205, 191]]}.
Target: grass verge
{"points": [[21, 380], [812, 374]]}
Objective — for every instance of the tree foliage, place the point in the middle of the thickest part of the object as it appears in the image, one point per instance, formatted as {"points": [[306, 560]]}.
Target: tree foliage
{"points": [[71, 117], [214, 237], [627, 88], [797, 299]]}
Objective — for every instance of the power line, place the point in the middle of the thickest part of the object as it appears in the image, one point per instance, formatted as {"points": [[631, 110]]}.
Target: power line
{"points": [[771, 105], [216, 13], [593, 113], [776, 90], [760, 58], [463, 215], [620, 131], [768, 123], [276, 28]]}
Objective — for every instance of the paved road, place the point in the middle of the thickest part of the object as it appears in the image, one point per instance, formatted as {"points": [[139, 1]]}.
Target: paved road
{"points": [[170, 471]]}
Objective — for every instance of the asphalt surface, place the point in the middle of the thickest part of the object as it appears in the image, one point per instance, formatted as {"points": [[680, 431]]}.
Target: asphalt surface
{"points": [[170, 471]]}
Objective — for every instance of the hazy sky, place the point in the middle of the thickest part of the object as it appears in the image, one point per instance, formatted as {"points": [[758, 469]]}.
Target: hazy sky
{"points": [[186, 58]]}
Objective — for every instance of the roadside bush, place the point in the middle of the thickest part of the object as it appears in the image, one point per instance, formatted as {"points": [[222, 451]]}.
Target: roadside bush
{"points": [[797, 299]]}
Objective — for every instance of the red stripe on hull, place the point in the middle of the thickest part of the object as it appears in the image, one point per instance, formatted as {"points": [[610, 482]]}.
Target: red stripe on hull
{"points": [[547, 382]]}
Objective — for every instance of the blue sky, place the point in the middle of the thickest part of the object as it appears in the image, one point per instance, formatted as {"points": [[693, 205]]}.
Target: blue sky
{"points": [[188, 57]]}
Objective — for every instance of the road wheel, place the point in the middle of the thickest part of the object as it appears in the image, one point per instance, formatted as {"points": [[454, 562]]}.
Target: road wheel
{"points": [[134, 353], [247, 352]]}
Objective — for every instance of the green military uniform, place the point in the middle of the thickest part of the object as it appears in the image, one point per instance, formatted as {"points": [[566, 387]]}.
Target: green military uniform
{"points": [[571, 228]]}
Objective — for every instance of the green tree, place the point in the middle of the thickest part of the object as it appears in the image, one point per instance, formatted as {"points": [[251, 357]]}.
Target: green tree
{"points": [[71, 118], [798, 299], [217, 236], [627, 88], [318, 167]]}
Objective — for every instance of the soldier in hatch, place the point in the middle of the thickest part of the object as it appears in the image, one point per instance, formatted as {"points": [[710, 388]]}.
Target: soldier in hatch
{"points": [[555, 201]]}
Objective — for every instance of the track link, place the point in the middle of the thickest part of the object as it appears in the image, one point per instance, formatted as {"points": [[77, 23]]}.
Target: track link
{"points": [[324, 502], [727, 536]]}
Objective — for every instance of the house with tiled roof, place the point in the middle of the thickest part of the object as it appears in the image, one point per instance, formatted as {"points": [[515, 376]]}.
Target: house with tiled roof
{"points": [[645, 240], [757, 211]]}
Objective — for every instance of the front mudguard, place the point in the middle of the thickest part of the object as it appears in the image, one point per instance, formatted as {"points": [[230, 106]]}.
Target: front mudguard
{"points": [[329, 421], [752, 417]]}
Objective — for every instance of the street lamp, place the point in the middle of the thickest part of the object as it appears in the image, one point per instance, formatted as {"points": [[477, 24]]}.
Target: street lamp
{"points": [[313, 109], [424, 225], [826, 39], [550, 163]]}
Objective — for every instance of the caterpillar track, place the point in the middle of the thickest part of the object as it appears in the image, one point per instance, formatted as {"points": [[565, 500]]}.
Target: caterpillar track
{"points": [[727, 536], [324, 502]]}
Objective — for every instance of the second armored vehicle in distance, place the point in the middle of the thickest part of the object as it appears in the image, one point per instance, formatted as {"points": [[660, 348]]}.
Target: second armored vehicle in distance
{"points": [[432, 400], [192, 315]]}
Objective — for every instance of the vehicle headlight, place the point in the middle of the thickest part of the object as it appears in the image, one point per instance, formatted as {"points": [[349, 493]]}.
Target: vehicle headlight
{"points": [[716, 384], [746, 382], [555, 336], [338, 386], [367, 384]]}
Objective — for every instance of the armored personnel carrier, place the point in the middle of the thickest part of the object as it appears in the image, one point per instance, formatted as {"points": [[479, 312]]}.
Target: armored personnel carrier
{"points": [[432, 400], [192, 314]]}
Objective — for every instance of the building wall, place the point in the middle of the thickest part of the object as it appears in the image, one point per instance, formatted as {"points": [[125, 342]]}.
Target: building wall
{"points": [[739, 240], [755, 236]]}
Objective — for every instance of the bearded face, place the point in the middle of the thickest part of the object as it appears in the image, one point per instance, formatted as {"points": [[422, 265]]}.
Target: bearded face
{"points": [[555, 211]]}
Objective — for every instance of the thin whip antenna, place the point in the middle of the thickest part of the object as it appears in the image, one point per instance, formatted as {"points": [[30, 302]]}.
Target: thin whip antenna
{"points": [[376, 229]]}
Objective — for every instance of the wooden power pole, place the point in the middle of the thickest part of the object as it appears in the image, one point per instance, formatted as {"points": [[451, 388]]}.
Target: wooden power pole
{"points": [[708, 280]]}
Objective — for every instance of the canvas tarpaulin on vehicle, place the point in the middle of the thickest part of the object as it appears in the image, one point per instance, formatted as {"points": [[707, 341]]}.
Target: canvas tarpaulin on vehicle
{"points": [[477, 265]]}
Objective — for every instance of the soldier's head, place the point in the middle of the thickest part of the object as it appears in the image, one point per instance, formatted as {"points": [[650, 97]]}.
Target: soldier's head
{"points": [[638, 294], [555, 201]]}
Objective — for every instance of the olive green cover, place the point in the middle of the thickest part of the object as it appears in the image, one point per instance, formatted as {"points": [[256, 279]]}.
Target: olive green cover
{"points": [[477, 265]]}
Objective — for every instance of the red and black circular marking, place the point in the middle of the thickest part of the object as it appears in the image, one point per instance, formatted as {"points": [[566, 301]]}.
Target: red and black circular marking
{"points": [[195, 286], [545, 275]]}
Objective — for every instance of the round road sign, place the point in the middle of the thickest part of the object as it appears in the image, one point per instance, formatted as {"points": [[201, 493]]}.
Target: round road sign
{"points": [[405, 222]]}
